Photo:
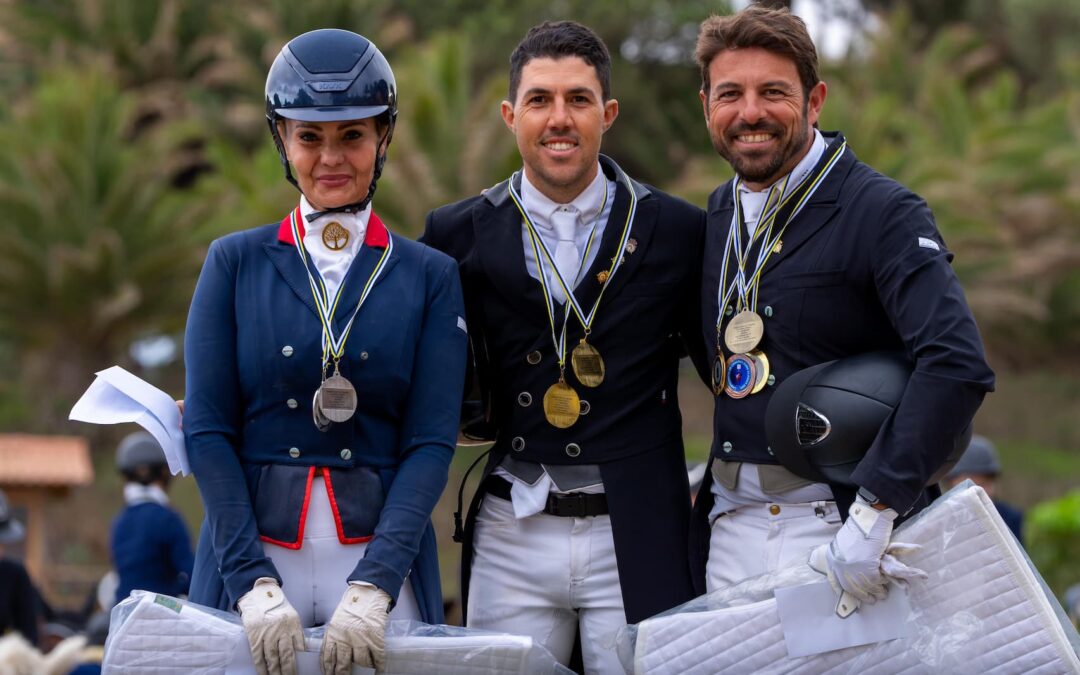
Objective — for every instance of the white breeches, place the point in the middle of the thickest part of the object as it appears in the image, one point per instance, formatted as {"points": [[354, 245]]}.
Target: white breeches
{"points": [[315, 576], [760, 538], [545, 576]]}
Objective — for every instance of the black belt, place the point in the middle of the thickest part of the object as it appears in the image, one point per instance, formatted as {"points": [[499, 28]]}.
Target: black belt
{"points": [[571, 505]]}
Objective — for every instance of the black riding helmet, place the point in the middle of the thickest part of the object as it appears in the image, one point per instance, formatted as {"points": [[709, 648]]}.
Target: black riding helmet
{"points": [[331, 75], [139, 458], [822, 420]]}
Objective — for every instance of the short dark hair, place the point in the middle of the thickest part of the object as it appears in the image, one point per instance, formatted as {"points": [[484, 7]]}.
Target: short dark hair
{"points": [[775, 30], [560, 39]]}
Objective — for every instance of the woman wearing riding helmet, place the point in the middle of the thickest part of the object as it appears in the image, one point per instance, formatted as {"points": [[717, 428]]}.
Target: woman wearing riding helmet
{"points": [[325, 361]]}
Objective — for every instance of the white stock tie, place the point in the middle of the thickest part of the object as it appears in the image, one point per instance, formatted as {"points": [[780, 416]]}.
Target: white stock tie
{"points": [[567, 261]]}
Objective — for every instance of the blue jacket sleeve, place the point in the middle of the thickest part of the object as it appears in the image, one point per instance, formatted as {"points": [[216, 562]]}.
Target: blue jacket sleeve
{"points": [[428, 433], [922, 297], [213, 418]]}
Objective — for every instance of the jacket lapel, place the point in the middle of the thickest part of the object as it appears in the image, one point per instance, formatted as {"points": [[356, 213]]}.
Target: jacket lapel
{"points": [[497, 229], [283, 255], [376, 241], [641, 230], [819, 210]]}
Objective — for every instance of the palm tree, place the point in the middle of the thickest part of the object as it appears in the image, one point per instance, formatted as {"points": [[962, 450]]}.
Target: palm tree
{"points": [[97, 246]]}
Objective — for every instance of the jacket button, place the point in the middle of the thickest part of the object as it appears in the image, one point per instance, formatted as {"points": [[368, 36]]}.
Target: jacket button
{"points": [[363, 356], [524, 399], [726, 446], [517, 444], [534, 357], [729, 310], [292, 404], [768, 310], [585, 407], [294, 452], [346, 453], [771, 381], [287, 351], [573, 449]]}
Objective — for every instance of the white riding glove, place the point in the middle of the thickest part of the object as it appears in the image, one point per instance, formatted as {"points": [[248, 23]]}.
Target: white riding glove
{"points": [[860, 560], [272, 627], [357, 631]]}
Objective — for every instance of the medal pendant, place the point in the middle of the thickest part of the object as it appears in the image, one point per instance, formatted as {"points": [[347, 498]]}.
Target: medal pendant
{"points": [[719, 371], [741, 376], [334, 236], [744, 332], [562, 407], [337, 398], [761, 368], [321, 423], [587, 364]]}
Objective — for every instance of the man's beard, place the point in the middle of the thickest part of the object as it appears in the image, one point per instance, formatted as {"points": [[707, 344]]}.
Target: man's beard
{"points": [[752, 168]]}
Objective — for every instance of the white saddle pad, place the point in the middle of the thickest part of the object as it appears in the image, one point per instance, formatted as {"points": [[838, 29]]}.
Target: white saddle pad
{"points": [[982, 610], [159, 635]]}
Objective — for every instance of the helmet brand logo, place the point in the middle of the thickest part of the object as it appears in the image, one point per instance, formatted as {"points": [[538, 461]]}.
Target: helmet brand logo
{"points": [[329, 85]]}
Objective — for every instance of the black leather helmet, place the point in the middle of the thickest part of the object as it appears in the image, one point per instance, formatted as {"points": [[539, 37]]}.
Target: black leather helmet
{"points": [[821, 421], [331, 75], [140, 453]]}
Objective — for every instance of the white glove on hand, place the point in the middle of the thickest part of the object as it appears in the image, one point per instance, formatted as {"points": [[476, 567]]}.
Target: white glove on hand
{"points": [[272, 627], [357, 631], [860, 559]]}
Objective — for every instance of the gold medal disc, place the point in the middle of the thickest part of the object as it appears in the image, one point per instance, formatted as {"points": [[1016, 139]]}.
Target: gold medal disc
{"points": [[719, 372], [761, 363], [334, 236], [562, 407], [587, 364], [744, 332]]}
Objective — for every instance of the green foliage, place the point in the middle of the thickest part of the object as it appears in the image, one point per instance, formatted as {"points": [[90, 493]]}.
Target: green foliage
{"points": [[1052, 534], [94, 238]]}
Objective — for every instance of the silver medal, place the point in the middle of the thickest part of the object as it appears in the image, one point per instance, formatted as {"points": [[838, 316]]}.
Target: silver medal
{"points": [[336, 398], [321, 423]]}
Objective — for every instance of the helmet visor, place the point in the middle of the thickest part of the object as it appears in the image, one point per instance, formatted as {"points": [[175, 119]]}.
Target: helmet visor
{"points": [[332, 113]]}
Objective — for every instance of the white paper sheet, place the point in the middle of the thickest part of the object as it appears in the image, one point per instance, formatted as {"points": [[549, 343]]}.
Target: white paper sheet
{"points": [[117, 397], [811, 626]]}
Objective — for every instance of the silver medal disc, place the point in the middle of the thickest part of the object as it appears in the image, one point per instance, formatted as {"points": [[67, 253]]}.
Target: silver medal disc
{"points": [[321, 423], [336, 398]]}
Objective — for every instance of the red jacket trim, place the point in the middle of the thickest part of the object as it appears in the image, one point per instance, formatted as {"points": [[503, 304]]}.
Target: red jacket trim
{"points": [[337, 516], [295, 545]]}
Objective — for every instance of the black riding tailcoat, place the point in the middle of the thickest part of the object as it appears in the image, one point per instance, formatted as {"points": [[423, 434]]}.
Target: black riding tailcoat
{"points": [[862, 268], [648, 318]]}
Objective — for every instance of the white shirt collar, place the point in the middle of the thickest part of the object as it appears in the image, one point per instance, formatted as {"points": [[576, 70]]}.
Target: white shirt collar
{"points": [[355, 223], [804, 167], [136, 493], [587, 203]]}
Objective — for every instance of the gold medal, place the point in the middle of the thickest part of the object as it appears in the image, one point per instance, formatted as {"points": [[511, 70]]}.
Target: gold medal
{"points": [[719, 370], [744, 332], [587, 364], [562, 407], [334, 236], [337, 398], [761, 370]]}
